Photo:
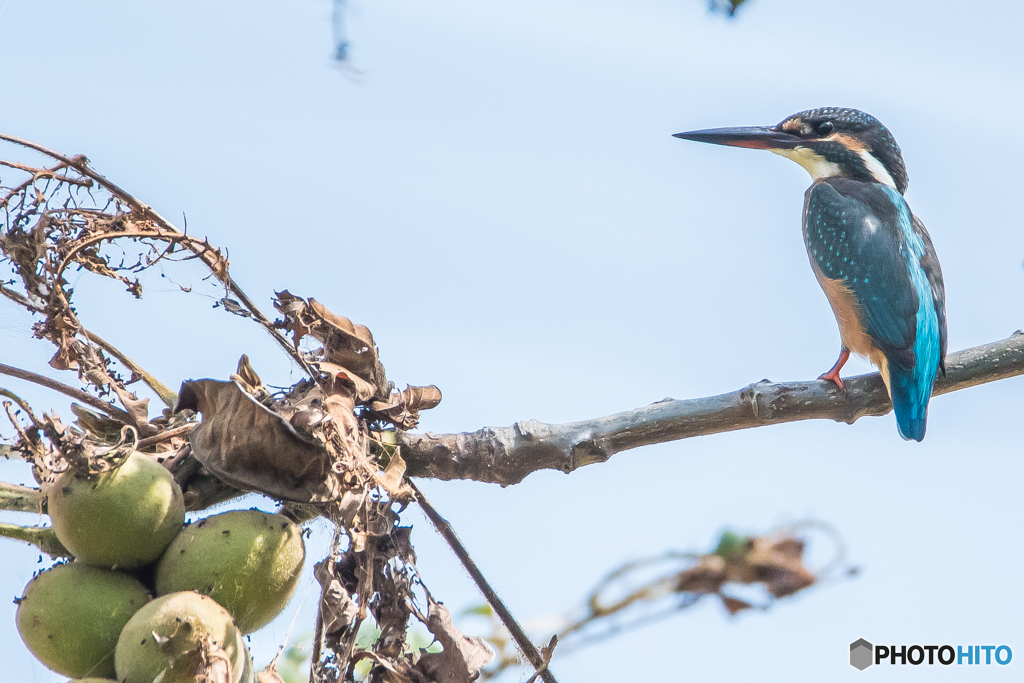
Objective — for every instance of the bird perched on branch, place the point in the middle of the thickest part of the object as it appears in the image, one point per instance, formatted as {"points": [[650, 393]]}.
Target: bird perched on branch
{"points": [[871, 255]]}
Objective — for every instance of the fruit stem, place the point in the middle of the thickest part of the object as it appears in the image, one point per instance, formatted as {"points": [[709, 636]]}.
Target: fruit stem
{"points": [[18, 498], [43, 538]]}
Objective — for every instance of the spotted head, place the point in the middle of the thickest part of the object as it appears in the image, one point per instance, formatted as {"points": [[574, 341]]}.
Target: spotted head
{"points": [[828, 142]]}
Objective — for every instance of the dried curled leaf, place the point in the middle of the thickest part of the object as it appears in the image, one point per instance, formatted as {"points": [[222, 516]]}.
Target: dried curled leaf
{"points": [[362, 390], [463, 656], [247, 377], [250, 446], [777, 562], [345, 344], [98, 425], [337, 610], [383, 671], [707, 576], [393, 480], [349, 355], [734, 605], [629, 594], [403, 408]]}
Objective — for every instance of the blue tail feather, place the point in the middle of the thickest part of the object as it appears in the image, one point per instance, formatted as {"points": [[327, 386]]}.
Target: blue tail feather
{"points": [[910, 393]]}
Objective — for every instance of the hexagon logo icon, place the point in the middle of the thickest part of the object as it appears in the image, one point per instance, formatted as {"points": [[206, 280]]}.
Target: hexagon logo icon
{"points": [[861, 654]]}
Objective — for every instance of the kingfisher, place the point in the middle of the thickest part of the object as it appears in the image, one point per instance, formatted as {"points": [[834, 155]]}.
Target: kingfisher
{"points": [[871, 255]]}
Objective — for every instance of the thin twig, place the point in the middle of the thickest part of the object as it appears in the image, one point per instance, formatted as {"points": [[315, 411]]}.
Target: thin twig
{"points": [[132, 233], [23, 435], [76, 394], [318, 637], [165, 435], [21, 300], [549, 652], [217, 264], [168, 396], [506, 455], [649, 591], [22, 403], [528, 649], [291, 627], [38, 173]]}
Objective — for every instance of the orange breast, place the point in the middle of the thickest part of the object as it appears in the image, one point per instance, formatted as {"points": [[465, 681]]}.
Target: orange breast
{"points": [[851, 327]]}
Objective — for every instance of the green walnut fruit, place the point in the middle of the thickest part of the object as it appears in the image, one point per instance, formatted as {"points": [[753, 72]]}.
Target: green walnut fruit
{"points": [[71, 616], [122, 518], [174, 637], [247, 560], [93, 680]]}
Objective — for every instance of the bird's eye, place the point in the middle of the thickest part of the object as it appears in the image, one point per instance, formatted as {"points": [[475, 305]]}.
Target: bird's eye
{"points": [[824, 128]]}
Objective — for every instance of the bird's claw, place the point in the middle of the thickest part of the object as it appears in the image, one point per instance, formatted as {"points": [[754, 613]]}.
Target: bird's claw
{"points": [[833, 376]]}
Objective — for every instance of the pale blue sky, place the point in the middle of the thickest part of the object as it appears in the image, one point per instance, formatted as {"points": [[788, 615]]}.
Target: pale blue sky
{"points": [[497, 196]]}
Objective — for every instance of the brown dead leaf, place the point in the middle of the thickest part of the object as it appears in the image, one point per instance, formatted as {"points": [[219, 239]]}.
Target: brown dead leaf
{"points": [[249, 446], [734, 606], [341, 324], [363, 390], [392, 479], [136, 407], [401, 544], [91, 260], [463, 656], [337, 610], [707, 576], [383, 671], [98, 425], [345, 343], [777, 562], [247, 376], [402, 409]]}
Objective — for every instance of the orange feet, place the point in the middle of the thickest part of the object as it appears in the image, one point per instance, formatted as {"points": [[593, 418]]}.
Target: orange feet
{"points": [[833, 374]]}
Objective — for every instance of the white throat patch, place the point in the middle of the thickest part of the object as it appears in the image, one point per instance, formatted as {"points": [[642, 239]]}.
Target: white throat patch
{"points": [[817, 165]]}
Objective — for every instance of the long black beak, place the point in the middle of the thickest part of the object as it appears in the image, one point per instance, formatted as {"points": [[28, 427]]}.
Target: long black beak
{"points": [[752, 137]]}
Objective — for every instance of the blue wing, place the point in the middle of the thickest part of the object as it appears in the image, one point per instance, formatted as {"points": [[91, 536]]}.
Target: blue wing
{"points": [[853, 236], [930, 265], [864, 236]]}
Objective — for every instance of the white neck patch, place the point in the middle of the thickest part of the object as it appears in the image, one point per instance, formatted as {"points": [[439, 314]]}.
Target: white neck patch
{"points": [[820, 167], [876, 169]]}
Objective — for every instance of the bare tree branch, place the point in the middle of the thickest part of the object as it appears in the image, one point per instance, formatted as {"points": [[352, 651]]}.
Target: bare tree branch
{"points": [[77, 394], [505, 455], [165, 435]]}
